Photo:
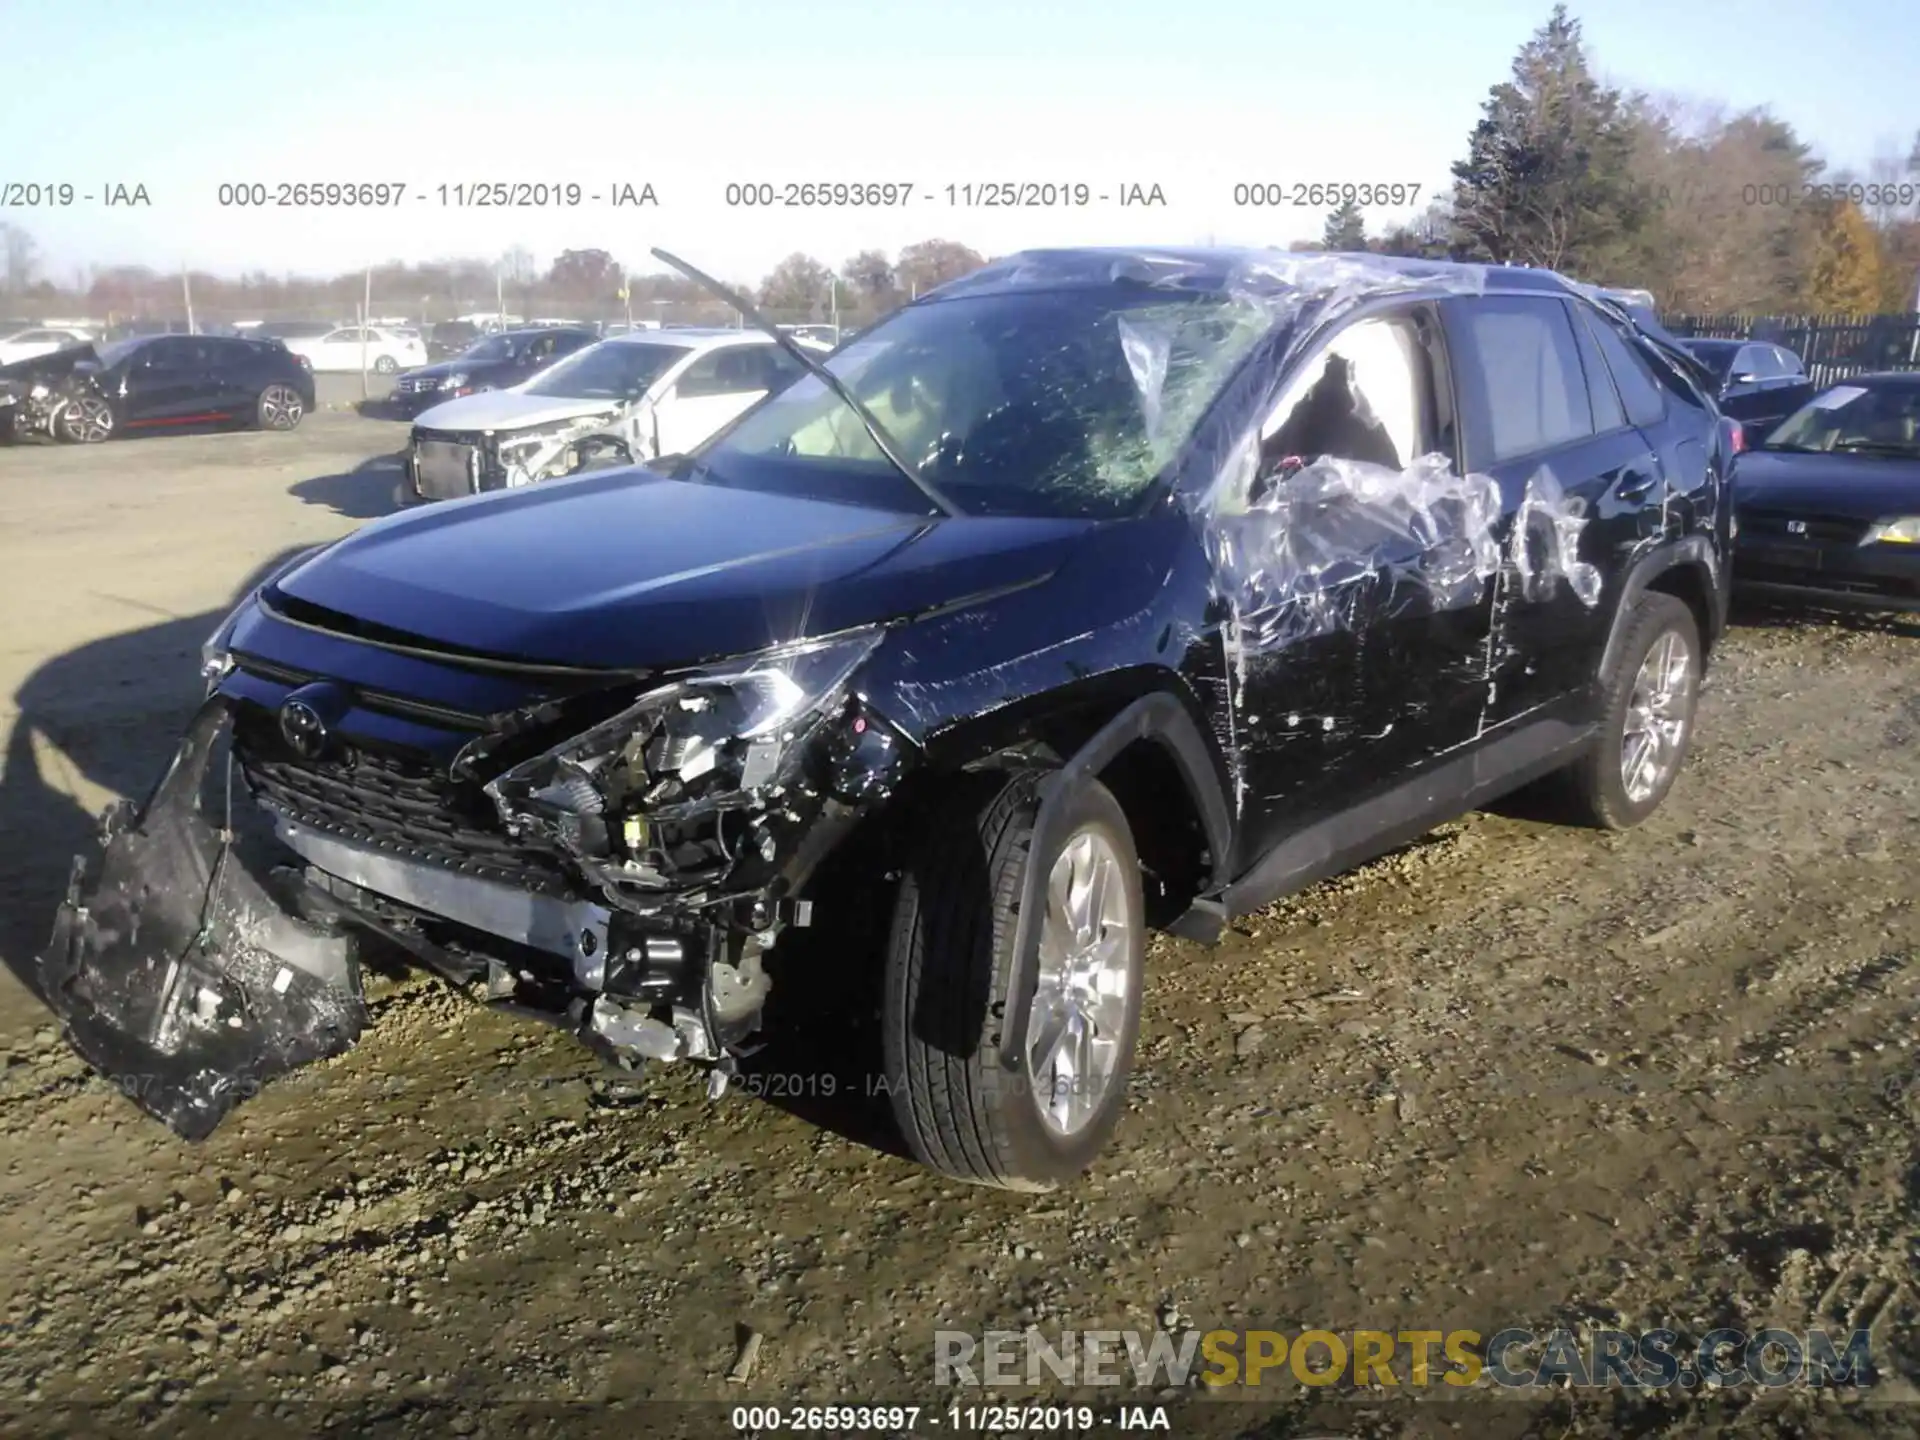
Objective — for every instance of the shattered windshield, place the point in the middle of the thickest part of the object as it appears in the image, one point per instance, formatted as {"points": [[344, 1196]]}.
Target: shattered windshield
{"points": [[1059, 404], [1855, 420], [611, 370]]}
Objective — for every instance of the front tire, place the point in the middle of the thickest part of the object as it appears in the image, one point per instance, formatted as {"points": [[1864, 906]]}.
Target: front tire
{"points": [[385, 365], [279, 408], [86, 420], [949, 978], [1646, 726]]}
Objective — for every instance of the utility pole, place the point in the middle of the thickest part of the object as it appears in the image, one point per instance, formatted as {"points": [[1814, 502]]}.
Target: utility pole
{"points": [[366, 318], [186, 294]]}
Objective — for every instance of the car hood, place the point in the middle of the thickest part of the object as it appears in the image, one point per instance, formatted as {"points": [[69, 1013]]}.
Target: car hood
{"points": [[1864, 487], [51, 364], [627, 569], [512, 410]]}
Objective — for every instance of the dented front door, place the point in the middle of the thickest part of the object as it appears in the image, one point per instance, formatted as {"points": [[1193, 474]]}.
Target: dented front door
{"points": [[1360, 563]]}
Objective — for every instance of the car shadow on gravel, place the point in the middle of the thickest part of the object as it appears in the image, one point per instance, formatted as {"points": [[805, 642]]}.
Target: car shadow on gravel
{"points": [[366, 492], [110, 713]]}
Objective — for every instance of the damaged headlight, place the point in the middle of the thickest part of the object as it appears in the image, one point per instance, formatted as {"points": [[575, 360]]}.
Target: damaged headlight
{"points": [[1904, 530], [683, 782]]}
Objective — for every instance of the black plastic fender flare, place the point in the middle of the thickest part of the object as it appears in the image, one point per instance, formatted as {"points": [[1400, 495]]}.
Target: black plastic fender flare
{"points": [[1162, 718], [1694, 550]]}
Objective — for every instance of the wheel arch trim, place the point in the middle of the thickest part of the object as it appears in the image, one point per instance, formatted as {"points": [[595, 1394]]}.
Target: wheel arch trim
{"points": [[1160, 718], [1695, 552]]}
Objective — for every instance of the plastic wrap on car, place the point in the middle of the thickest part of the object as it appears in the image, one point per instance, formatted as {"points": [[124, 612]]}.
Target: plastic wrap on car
{"points": [[1546, 542], [1296, 561]]}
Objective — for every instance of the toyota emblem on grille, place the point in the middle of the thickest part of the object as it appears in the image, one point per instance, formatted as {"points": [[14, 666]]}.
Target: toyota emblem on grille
{"points": [[308, 717], [1796, 527], [303, 729]]}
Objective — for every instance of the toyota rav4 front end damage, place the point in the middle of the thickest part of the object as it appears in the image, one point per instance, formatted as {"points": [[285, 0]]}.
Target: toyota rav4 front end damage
{"points": [[1099, 590]]}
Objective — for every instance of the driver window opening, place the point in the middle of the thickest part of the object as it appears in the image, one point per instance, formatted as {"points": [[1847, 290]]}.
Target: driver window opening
{"points": [[1367, 399]]}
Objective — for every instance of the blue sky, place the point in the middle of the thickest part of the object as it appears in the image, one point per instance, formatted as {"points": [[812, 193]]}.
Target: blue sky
{"points": [[1192, 95]]}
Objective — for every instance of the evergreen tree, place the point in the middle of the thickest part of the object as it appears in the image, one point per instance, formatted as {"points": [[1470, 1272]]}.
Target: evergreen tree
{"points": [[1346, 228], [1547, 178]]}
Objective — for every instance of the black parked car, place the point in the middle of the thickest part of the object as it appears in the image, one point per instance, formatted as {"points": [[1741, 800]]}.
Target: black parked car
{"points": [[1829, 505], [1135, 589], [1758, 384], [495, 363], [154, 382]]}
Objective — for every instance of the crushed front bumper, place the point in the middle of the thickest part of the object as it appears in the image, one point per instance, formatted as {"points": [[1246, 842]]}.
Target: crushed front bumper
{"points": [[188, 982], [178, 976]]}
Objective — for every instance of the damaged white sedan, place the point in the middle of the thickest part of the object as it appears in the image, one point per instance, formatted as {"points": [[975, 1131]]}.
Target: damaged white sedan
{"points": [[625, 401]]}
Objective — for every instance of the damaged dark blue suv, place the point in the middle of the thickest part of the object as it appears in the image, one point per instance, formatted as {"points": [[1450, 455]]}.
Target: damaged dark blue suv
{"points": [[1111, 590]]}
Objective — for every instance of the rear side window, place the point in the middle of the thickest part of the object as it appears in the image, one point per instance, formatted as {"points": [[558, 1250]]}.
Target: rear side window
{"points": [[1532, 385], [1789, 363], [1608, 413], [1639, 390]]}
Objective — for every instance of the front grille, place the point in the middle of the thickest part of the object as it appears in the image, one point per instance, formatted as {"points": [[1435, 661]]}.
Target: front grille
{"points": [[401, 805], [419, 386], [1820, 529]]}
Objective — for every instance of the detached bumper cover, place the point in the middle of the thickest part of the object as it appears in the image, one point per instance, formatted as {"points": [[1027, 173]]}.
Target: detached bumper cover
{"points": [[178, 976]]}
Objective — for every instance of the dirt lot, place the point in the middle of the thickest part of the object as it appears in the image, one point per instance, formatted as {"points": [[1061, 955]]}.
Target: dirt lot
{"points": [[1513, 1075]]}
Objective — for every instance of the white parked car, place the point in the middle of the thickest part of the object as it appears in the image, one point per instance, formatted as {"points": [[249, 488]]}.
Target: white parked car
{"points": [[28, 344], [383, 351], [621, 401]]}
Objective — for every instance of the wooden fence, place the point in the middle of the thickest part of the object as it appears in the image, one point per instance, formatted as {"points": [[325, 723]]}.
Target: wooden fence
{"points": [[1830, 346]]}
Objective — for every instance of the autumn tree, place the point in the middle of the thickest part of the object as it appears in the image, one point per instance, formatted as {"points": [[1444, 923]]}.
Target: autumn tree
{"points": [[1845, 276], [584, 274], [1725, 232], [869, 275], [1546, 180], [798, 285], [1427, 236], [1346, 228], [933, 262]]}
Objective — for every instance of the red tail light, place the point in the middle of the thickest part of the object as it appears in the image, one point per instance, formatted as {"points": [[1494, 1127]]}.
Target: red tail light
{"points": [[1739, 436]]}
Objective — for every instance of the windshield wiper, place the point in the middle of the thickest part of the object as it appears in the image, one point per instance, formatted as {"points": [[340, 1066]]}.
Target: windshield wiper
{"points": [[886, 444]]}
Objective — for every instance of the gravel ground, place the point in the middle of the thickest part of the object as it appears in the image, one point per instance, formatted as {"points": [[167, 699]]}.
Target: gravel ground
{"points": [[1512, 1075]]}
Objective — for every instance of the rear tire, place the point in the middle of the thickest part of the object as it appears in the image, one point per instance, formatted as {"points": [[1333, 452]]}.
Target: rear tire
{"points": [[1646, 725], [385, 365], [948, 981]]}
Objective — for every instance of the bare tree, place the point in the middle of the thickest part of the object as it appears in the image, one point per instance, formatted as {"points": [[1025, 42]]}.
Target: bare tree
{"points": [[21, 257]]}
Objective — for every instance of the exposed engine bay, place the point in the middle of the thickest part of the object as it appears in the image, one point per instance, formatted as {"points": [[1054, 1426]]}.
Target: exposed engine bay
{"points": [[447, 464], [37, 396], [656, 857]]}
